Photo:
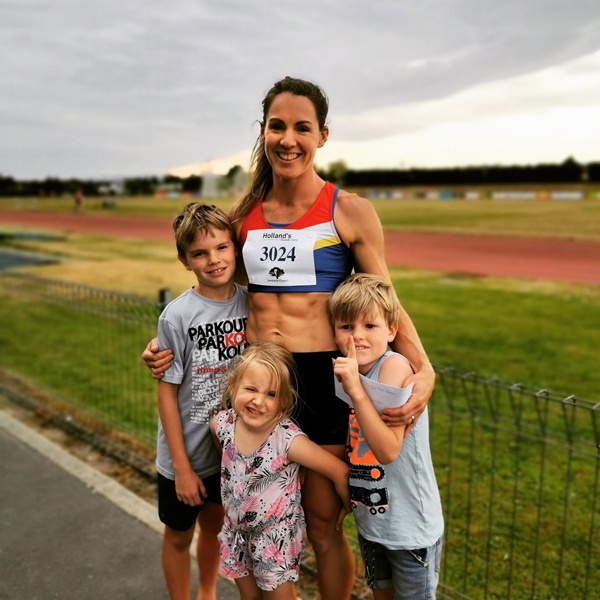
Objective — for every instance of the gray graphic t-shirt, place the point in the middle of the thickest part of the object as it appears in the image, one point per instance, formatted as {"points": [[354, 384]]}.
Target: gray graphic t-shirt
{"points": [[205, 336]]}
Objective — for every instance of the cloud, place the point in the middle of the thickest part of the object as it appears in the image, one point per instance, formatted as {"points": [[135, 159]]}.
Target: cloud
{"points": [[112, 88]]}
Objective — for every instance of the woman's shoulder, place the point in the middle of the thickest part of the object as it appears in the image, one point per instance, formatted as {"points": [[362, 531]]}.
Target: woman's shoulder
{"points": [[349, 197], [356, 218], [351, 202]]}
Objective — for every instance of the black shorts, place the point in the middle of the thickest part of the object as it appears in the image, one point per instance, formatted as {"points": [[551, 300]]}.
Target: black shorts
{"points": [[177, 515], [319, 412]]}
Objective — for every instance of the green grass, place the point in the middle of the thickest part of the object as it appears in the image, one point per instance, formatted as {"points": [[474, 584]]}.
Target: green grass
{"points": [[563, 219], [131, 206], [541, 334], [84, 353], [543, 338], [570, 220]]}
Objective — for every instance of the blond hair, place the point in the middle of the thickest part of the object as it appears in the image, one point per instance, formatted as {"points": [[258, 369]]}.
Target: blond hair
{"points": [[280, 364], [364, 294], [198, 217]]}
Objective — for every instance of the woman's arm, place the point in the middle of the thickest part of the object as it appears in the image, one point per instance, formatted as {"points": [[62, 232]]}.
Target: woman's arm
{"points": [[157, 362], [360, 228]]}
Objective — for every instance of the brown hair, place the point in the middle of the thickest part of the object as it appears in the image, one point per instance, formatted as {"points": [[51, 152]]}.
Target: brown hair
{"points": [[196, 217], [261, 179], [364, 294], [279, 363]]}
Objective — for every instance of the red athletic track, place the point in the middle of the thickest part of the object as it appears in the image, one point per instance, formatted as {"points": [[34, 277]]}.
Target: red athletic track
{"points": [[530, 258]]}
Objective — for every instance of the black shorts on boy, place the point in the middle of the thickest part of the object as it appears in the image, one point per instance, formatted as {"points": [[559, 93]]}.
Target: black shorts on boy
{"points": [[176, 514]]}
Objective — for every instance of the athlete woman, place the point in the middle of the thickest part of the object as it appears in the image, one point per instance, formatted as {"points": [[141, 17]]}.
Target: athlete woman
{"points": [[301, 236]]}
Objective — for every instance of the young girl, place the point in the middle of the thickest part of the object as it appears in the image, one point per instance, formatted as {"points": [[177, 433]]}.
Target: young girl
{"points": [[262, 451]]}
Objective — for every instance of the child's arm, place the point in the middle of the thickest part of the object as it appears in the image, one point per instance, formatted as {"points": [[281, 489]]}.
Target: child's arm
{"points": [[384, 441], [189, 487], [312, 456], [215, 438]]}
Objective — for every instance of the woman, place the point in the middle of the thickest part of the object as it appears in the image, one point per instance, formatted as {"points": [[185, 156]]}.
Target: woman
{"points": [[300, 237]]}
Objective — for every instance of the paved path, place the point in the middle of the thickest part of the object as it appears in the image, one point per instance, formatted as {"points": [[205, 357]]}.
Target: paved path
{"points": [[499, 256], [67, 531]]}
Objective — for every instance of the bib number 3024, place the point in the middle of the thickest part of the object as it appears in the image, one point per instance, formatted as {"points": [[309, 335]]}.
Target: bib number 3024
{"points": [[277, 254], [280, 258]]}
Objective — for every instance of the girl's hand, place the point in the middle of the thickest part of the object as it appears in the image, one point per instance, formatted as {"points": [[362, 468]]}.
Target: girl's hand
{"points": [[342, 487], [341, 516]]}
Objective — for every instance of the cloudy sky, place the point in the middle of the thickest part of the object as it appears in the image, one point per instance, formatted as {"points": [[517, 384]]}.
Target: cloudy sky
{"points": [[137, 87]]}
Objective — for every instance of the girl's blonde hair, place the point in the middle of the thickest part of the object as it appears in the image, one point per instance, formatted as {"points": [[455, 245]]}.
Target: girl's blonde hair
{"points": [[280, 364], [196, 217], [261, 180], [364, 294]]}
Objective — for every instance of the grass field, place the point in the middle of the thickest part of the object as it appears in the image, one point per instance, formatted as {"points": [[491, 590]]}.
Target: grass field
{"points": [[538, 333], [571, 220]]}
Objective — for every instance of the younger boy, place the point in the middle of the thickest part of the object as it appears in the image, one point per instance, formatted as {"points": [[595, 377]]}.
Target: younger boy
{"points": [[206, 329], [393, 490]]}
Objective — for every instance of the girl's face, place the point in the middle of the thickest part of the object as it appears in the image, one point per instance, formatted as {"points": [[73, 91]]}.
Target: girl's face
{"points": [[291, 135], [370, 335], [255, 398]]}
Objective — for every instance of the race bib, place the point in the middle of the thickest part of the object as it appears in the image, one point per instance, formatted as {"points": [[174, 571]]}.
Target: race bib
{"points": [[280, 257]]}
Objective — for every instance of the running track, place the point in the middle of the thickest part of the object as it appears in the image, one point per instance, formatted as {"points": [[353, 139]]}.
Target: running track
{"points": [[528, 258]]}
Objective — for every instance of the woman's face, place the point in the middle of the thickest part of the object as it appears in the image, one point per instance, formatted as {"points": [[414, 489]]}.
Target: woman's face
{"points": [[291, 135]]}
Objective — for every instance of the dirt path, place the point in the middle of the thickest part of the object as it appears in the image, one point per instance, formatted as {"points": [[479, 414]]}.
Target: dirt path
{"points": [[558, 260]]}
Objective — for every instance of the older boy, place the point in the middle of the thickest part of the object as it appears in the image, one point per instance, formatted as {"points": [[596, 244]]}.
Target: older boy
{"points": [[206, 329]]}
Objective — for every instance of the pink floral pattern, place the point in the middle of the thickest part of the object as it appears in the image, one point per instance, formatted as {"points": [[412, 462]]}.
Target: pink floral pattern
{"points": [[263, 528]]}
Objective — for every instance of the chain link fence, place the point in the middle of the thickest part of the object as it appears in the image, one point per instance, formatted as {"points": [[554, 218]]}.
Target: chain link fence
{"points": [[518, 469]]}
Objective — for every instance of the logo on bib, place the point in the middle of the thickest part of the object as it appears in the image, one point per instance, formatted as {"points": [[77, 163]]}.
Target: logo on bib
{"points": [[276, 272]]}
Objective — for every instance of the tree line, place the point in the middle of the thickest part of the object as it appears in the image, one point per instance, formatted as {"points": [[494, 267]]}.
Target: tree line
{"points": [[569, 171], [54, 187]]}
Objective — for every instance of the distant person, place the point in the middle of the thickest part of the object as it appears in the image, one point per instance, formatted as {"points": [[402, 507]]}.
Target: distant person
{"points": [[263, 450], [301, 236], [393, 489], [205, 328], [78, 199]]}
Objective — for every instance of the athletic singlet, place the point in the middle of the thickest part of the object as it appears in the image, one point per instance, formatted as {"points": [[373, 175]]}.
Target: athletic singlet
{"points": [[305, 256]]}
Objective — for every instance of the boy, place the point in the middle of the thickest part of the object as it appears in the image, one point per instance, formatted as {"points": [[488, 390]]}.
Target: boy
{"points": [[394, 494], [206, 329]]}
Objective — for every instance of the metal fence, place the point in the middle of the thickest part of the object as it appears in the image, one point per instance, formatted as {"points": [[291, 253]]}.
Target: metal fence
{"points": [[518, 469]]}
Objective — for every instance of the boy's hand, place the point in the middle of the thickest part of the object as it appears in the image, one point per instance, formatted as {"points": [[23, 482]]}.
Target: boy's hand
{"points": [[157, 362], [189, 488], [408, 414], [345, 369]]}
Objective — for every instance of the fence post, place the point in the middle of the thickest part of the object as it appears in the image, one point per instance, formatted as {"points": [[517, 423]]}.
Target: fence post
{"points": [[164, 297]]}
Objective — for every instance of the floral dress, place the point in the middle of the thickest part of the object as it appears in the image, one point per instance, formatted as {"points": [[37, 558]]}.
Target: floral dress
{"points": [[263, 525]]}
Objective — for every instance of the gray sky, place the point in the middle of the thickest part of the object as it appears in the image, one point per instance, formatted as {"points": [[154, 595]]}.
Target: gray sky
{"points": [[137, 87]]}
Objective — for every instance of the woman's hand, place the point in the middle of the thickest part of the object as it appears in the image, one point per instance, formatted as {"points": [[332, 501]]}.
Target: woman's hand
{"points": [[408, 414], [157, 362]]}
